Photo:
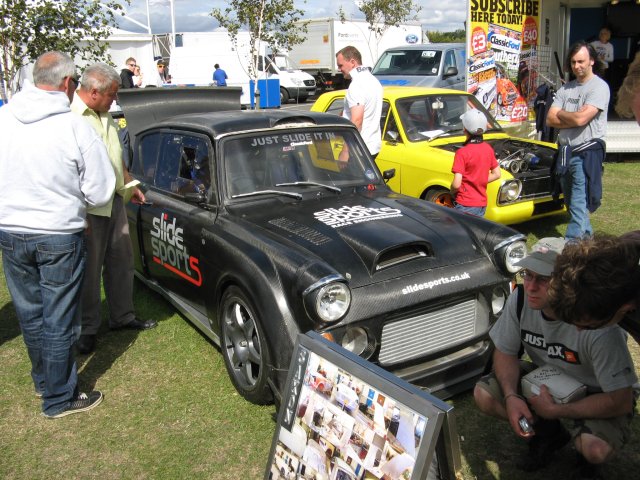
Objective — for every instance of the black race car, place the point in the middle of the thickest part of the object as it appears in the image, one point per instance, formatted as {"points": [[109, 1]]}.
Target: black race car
{"points": [[263, 224]]}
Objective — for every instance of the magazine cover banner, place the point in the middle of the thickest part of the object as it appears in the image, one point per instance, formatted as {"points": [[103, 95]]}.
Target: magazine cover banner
{"points": [[502, 46]]}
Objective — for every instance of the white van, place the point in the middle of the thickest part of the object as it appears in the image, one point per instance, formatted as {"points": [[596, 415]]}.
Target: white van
{"points": [[440, 65], [192, 63]]}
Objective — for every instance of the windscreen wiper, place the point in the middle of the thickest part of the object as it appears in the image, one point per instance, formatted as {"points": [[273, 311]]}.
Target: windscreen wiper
{"points": [[297, 196], [310, 184]]}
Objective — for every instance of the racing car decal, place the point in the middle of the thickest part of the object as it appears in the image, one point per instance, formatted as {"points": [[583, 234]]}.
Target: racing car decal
{"points": [[169, 251], [341, 217], [416, 287]]}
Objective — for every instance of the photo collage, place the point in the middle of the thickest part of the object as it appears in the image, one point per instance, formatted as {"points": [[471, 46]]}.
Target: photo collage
{"points": [[345, 429]]}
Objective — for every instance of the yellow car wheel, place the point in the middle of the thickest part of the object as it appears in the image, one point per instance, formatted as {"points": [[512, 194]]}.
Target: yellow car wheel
{"points": [[439, 196]]}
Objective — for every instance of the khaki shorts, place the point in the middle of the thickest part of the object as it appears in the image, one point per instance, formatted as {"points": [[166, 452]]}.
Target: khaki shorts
{"points": [[615, 431]]}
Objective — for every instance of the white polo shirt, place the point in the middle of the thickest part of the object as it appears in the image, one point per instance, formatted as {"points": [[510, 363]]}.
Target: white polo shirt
{"points": [[365, 89]]}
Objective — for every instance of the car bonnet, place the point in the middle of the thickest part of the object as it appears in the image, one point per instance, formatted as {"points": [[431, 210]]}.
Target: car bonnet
{"points": [[372, 237]]}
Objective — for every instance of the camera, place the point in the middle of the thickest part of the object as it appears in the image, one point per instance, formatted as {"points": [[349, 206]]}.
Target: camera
{"points": [[524, 425]]}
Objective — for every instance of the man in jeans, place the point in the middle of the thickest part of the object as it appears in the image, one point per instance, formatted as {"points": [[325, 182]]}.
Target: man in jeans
{"points": [[52, 166], [579, 110]]}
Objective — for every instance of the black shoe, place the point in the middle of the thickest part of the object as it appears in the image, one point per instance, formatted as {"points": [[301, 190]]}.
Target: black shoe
{"points": [[86, 344], [550, 437], [586, 470], [81, 403], [137, 324]]}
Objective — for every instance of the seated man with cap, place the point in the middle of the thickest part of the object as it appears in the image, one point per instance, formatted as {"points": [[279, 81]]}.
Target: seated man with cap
{"points": [[599, 423]]}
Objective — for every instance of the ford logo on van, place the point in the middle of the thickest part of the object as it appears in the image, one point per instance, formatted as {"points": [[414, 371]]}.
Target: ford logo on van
{"points": [[411, 38]]}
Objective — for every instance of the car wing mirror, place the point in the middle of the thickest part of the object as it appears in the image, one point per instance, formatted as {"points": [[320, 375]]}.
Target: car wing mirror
{"points": [[451, 71], [388, 174], [197, 197]]}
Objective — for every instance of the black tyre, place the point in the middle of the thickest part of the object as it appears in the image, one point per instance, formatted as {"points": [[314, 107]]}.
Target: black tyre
{"points": [[284, 96], [439, 196], [244, 347]]}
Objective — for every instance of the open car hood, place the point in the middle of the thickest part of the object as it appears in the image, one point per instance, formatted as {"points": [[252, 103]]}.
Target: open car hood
{"points": [[143, 107]]}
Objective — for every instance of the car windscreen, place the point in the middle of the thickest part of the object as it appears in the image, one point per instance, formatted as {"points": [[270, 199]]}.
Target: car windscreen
{"points": [[295, 159], [409, 62], [430, 116]]}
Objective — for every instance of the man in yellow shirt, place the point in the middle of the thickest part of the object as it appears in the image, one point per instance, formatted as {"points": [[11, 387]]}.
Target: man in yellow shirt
{"points": [[109, 250]]}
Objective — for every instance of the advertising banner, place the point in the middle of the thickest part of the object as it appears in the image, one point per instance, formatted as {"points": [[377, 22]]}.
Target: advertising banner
{"points": [[502, 61]]}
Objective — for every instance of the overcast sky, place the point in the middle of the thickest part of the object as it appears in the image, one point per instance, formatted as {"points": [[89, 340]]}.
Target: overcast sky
{"points": [[193, 15]]}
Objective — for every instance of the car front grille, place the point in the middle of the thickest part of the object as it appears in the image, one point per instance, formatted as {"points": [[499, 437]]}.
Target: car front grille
{"points": [[310, 83], [427, 332], [535, 186]]}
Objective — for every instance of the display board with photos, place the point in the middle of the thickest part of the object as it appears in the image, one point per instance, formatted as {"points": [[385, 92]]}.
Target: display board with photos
{"points": [[343, 418]]}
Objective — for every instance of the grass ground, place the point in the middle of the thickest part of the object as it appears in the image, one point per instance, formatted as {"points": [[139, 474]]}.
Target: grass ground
{"points": [[170, 411]]}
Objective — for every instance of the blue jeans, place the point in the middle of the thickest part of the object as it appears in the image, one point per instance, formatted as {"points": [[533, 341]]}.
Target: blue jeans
{"points": [[44, 275], [477, 211], [574, 188]]}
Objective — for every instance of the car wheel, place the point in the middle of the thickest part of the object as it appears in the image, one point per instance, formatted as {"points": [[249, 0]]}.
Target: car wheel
{"points": [[284, 96], [439, 196], [244, 347], [500, 100]]}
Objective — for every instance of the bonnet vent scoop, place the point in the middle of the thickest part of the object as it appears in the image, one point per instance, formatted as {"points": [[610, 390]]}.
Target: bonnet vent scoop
{"points": [[402, 254]]}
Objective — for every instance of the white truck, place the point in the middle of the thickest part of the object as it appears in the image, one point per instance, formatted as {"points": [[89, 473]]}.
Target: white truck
{"points": [[326, 36], [192, 63]]}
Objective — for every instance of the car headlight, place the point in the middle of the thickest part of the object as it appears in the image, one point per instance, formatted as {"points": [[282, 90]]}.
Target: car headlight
{"points": [[498, 300], [327, 300], [355, 340], [332, 302], [509, 191], [513, 253]]}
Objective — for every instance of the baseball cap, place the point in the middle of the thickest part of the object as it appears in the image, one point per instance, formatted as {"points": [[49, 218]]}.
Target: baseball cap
{"points": [[543, 256], [474, 121]]}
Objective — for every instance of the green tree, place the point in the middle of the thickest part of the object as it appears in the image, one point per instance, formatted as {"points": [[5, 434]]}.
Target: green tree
{"points": [[272, 22], [28, 28], [384, 14], [456, 36]]}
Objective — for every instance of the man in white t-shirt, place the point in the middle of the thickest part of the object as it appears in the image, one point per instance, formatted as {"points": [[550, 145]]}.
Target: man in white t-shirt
{"points": [[363, 102]]}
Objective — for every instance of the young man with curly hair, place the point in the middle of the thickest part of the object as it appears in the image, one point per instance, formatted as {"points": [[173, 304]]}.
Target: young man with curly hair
{"points": [[596, 283]]}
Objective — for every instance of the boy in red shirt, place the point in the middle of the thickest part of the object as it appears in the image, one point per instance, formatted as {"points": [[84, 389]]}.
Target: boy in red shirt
{"points": [[474, 166]]}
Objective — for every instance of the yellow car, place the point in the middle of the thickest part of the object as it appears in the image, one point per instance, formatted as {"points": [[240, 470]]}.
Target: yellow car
{"points": [[421, 131]]}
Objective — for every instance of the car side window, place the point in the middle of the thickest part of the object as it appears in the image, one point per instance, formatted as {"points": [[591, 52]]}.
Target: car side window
{"points": [[336, 107], [392, 133], [194, 172], [145, 160], [176, 163], [383, 115], [168, 162]]}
